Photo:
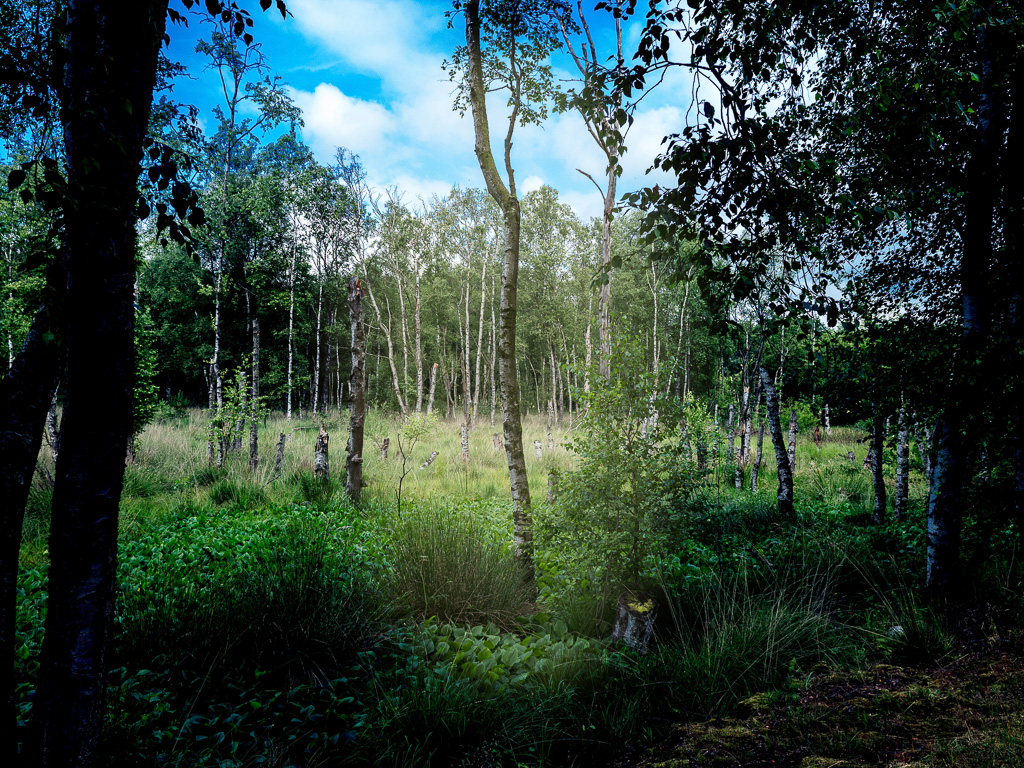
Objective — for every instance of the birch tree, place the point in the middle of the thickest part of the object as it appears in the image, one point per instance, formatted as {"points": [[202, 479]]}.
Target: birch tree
{"points": [[517, 38]]}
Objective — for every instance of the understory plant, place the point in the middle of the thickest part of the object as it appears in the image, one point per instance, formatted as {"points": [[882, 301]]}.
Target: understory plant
{"points": [[623, 503], [446, 565]]}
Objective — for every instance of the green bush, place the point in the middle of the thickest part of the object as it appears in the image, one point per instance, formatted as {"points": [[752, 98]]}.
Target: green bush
{"points": [[806, 417], [239, 638], [624, 502], [266, 590]]}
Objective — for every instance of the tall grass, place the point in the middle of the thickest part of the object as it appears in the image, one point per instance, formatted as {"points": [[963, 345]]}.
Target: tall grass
{"points": [[445, 565], [730, 638]]}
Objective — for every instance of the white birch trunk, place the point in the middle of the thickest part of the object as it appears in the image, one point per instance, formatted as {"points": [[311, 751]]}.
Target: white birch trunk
{"points": [[386, 328], [480, 341], [419, 341], [316, 369], [902, 465]]}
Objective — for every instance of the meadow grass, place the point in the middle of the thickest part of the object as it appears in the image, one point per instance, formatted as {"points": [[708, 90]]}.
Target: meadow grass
{"points": [[349, 614]]}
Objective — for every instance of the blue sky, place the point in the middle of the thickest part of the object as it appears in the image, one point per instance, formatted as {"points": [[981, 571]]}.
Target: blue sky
{"points": [[367, 75]]}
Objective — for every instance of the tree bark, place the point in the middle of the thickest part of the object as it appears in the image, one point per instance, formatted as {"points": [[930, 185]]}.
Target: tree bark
{"points": [[945, 513], [53, 428], [419, 338], [321, 456], [254, 407], [902, 465], [588, 347], [291, 329], [785, 494], [357, 392], [506, 199], [25, 394], [109, 79], [279, 458], [792, 440], [433, 388], [317, 341], [757, 462], [480, 341], [877, 465]]}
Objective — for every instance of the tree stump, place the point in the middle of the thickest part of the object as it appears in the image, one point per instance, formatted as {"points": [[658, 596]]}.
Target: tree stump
{"points": [[498, 442], [552, 486], [321, 464], [384, 446], [538, 448], [635, 614], [465, 444], [280, 454]]}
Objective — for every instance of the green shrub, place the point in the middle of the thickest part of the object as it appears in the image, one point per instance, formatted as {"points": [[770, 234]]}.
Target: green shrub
{"points": [[495, 661], [265, 591], [445, 565], [624, 502]]}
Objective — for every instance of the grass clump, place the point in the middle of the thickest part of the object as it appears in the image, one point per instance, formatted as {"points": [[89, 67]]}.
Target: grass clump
{"points": [[237, 493], [444, 565], [731, 638]]}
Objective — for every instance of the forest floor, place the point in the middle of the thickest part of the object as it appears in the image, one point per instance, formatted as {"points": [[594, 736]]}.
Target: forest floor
{"points": [[967, 713]]}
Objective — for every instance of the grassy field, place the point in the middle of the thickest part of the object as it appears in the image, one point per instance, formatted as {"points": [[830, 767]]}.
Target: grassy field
{"points": [[263, 620]]}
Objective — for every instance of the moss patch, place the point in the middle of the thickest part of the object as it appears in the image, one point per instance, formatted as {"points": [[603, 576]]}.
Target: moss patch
{"points": [[965, 714]]}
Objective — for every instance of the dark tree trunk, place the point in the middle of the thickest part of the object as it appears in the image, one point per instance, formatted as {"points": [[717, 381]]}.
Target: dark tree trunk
{"points": [[321, 456], [25, 396], [357, 393], [945, 512], [785, 495], [878, 465], [279, 458], [1014, 192], [53, 428], [109, 77]]}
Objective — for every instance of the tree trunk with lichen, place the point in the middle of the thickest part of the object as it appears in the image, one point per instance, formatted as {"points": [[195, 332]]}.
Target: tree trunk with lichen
{"points": [[785, 493], [357, 392], [508, 202], [902, 465]]}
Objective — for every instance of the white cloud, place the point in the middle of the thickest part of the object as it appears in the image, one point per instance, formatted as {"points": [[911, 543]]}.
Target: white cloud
{"points": [[402, 125], [334, 119], [530, 184], [384, 38], [588, 204]]}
